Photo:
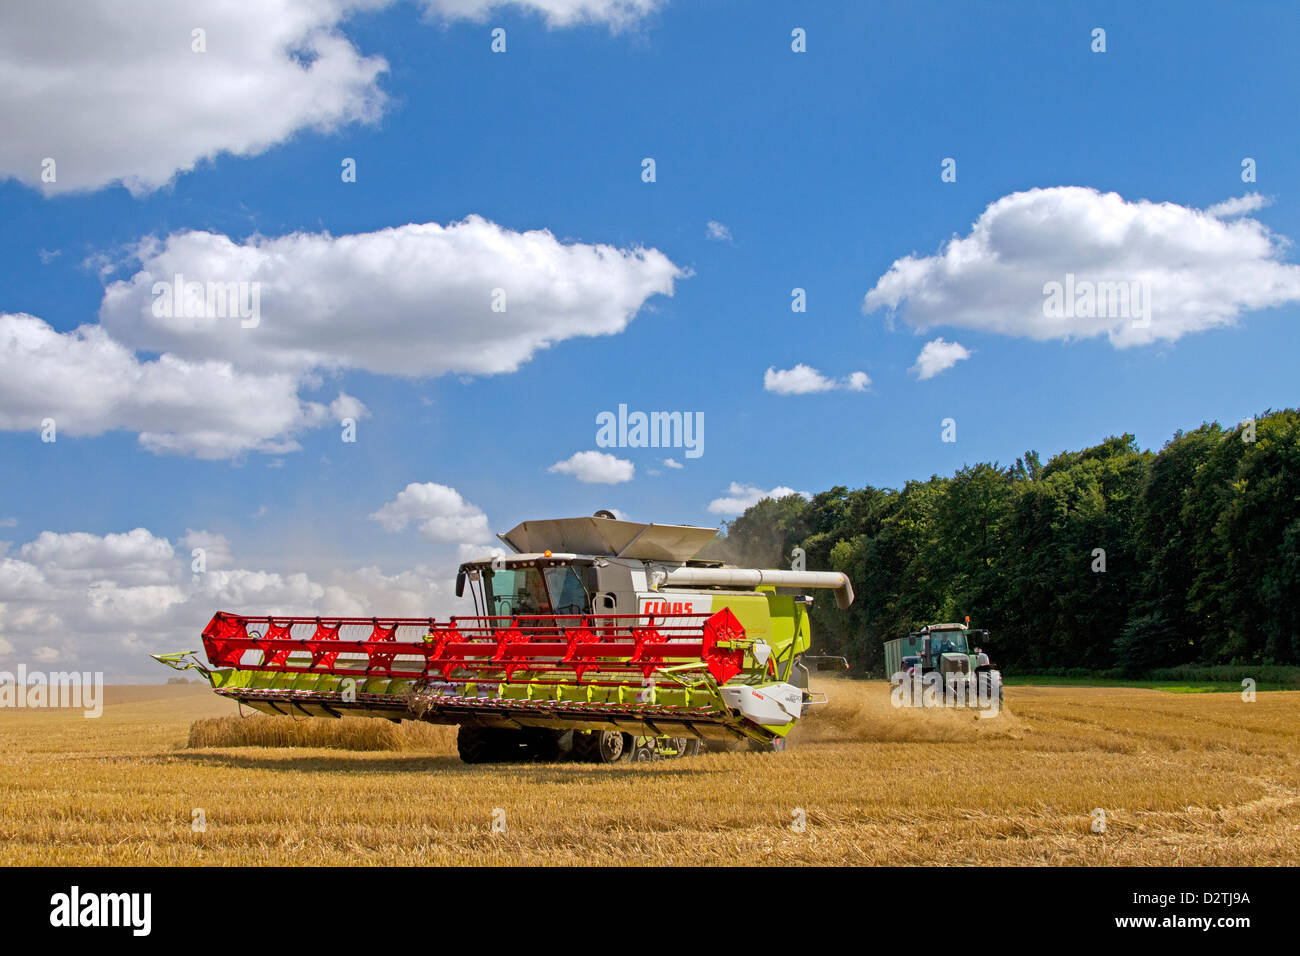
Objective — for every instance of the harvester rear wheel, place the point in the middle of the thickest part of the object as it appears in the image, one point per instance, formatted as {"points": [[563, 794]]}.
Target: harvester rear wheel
{"points": [[691, 747]]}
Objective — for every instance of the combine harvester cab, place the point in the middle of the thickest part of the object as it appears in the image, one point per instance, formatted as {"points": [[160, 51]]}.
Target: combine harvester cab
{"points": [[598, 639]]}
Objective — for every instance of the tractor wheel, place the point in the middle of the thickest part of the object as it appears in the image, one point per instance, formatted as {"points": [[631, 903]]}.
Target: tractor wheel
{"points": [[986, 688], [480, 744]]}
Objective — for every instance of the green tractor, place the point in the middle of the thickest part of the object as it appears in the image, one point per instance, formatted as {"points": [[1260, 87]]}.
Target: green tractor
{"points": [[943, 664]]}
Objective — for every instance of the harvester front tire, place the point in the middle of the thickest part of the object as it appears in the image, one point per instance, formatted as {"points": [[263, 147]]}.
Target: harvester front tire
{"points": [[480, 744], [542, 744]]}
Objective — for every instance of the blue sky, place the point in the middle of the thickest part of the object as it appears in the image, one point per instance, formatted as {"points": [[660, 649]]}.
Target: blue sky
{"points": [[823, 166]]}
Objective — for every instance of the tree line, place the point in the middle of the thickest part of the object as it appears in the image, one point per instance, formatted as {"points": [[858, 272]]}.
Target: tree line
{"points": [[1110, 558]]}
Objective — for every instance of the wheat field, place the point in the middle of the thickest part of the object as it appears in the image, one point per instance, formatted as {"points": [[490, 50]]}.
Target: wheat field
{"points": [[1183, 779]]}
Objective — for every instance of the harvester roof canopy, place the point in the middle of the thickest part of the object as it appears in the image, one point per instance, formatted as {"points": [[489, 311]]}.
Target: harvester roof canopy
{"points": [[610, 536], [529, 559]]}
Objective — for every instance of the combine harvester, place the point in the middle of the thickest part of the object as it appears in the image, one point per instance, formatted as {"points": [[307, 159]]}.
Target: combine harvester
{"points": [[598, 639]]}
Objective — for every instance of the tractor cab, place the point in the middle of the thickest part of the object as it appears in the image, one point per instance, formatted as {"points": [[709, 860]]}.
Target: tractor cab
{"points": [[945, 639], [945, 648]]}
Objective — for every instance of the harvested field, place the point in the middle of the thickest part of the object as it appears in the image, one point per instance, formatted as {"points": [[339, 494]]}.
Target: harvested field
{"points": [[1183, 779]]}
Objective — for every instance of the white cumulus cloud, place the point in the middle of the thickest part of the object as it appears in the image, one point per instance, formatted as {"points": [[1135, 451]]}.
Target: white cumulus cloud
{"points": [[440, 512], [89, 384], [422, 299], [114, 98], [806, 380], [214, 547], [938, 356], [1193, 269], [137, 556], [398, 302], [1239, 205], [617, 14], [123, 99], [595, 467], [717, 231], [740, 498]]}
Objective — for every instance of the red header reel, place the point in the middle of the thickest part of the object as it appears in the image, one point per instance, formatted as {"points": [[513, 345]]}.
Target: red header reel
{"points": [[585, 648]]}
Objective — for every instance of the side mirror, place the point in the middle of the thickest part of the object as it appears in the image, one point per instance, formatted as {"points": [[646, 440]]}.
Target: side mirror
{"points": [[460, 583]]}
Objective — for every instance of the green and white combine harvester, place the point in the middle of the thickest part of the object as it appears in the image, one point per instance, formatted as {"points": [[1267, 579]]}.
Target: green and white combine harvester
{"points": [[598, 639]]}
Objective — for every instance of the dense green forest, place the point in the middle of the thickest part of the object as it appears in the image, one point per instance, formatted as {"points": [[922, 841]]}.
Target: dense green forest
{"points": [[1110, 558]]}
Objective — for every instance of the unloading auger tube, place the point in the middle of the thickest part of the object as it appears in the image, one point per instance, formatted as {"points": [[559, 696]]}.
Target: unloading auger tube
{"points": [[755, 578], [627, 648]]}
